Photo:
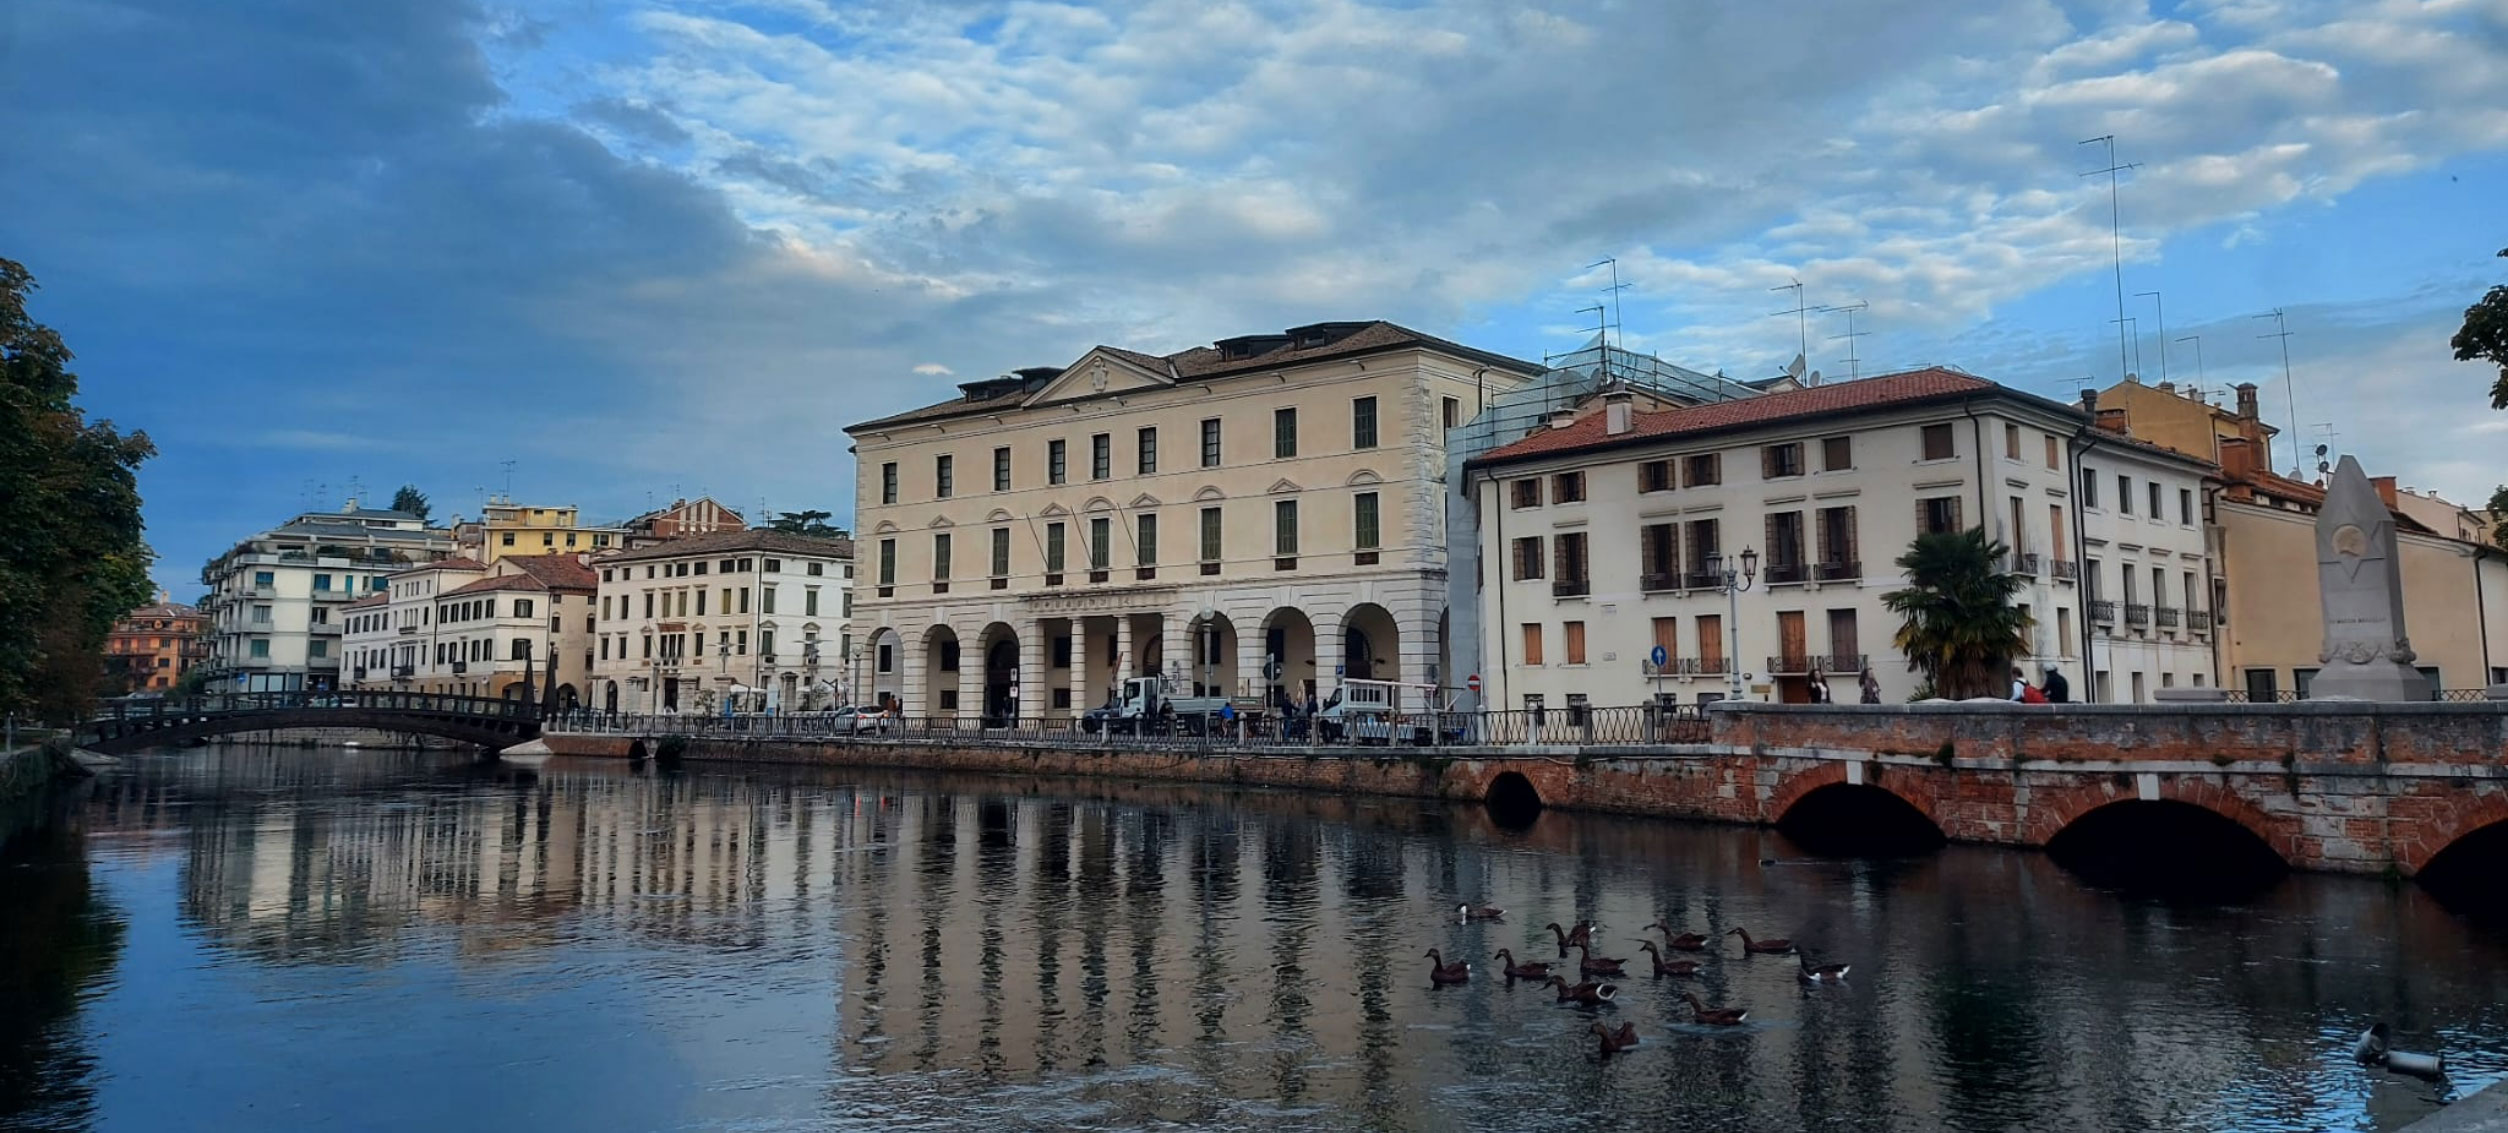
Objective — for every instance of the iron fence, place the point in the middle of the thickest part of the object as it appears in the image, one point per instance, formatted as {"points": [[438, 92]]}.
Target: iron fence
{"points": [[1640, 725]]}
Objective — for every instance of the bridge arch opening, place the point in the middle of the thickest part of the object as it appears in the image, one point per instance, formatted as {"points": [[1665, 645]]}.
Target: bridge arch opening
{"points": [[1858, 820], [1513, 803], [2167, 848], [2464, 875]]}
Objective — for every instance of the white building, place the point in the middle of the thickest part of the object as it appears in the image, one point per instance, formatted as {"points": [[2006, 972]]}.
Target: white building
{"points": [[461, 628], [1603, 531], [275, 598], [684, 624]]}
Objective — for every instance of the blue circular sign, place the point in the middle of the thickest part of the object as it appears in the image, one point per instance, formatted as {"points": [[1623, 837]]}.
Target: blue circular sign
{"points": [[1660, 657]]}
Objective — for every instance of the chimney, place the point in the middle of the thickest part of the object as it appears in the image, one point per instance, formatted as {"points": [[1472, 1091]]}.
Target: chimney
{"points": [[2385, 486], [2237, 459], [1618, 412], [1562, 418], [2112, 420], [2246, 401], [2168, 387], [2090, 403]]}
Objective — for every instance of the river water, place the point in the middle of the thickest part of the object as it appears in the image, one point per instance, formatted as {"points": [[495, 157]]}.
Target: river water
{"points": [[253, 938]]}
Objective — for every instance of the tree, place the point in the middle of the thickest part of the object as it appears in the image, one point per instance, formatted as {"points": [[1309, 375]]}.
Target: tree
{"points": [[411, 500], [1962, 629], [811, 523], [2499, 517], [72, 558]]}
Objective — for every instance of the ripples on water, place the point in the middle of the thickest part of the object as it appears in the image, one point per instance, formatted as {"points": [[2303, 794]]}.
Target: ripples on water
{"points": [[244, 938]]}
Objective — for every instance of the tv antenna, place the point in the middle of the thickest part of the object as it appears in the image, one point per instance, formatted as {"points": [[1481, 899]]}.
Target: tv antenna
{"points": [[2130, 328], [2290, 393], [2115, 233], [2162, 313], [1615, 289], [509, 480], [2201, 377], [1854, 361], [1801, 311], [1602, 330]]}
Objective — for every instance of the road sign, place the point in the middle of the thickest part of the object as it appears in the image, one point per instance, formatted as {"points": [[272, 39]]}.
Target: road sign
{"points": [[1660, 656], [1474, 683], [1341, 670]]}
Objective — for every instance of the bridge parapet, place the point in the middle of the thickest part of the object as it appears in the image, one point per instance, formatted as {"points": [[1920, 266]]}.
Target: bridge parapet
{"points": [[2321, 733], [488, 721]]}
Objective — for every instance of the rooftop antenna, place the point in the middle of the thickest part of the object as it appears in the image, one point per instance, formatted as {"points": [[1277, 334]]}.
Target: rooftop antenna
{"points": [[356, 488], [2201, 378], [2162, 313], [2290, 394], [509, 480], [1802, 318], [1615, 289], [1854, 361], [2115, 235], [2133, 334]]}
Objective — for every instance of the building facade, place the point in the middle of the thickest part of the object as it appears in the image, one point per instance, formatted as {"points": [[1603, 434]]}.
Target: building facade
{"points": [[743, 619], [508, 528], [465, 628], [275, 599], [700, 516], [150, 648], [1259, 517], [1607, 528]]}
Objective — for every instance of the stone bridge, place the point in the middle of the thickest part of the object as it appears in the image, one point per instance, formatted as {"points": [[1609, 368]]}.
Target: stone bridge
{"points": [[134, 725], [2347, 787]]}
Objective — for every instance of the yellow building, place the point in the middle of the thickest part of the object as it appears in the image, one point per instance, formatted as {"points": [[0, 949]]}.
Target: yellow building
{"points": [[508, 528]]}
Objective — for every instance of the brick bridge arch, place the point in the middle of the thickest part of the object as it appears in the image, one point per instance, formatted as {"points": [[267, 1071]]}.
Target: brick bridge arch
{"points": [[2051, 811], [2444, 823], [1907, 785]]}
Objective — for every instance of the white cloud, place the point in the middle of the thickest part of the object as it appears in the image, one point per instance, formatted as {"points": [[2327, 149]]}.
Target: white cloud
{"points": [[933, 369]]}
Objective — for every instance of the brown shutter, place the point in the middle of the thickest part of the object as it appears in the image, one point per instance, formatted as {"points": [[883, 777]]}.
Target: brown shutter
{"points": [[1767, 462]]}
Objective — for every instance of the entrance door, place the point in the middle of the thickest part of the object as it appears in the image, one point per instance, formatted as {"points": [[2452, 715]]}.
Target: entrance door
{"points": [[670, 694], [1001, 668]]}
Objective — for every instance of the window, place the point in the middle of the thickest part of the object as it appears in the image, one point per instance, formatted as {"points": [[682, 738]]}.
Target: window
{"points": [[322, 583], [505, 539], [1710, 642], [319, 647], [1777, 462], [1001, 559], [2011, 441], [1057, 461], [1574, 635], [2064, 631], [944, 476], [1528, 560], [744, 600], [1210, 540], [1366, 520], [1532, 643], [1785, 547], [2261, 687], [1568, 488], [1210, 443], [888, 565], [700, 604], [887, 657], [1524, 493], [1845, 648], [2125, 495], [2185, 506], [1572, 577], [1837, 454], [1658, 557], [1284, 532], [1145, 544], [1451, 411], [1937, 442], [260, 648], [2055, 531], [1054, 548], [1101, 456], [1705, 544], [1363, 422], [940, 561], [1284, 433], [2090, 488], [1937, 515], [2155, 512], [1668, 638], [1839, 557], [1704, 468], [1001, 469], [1146, 444], [2090, 587], [816, 569], [2053, 450], [1654, 476], [1101, 547]]}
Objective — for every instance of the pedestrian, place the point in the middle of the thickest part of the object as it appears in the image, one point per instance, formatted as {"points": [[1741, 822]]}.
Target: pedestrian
{"points": [[2020, 685], [1870, 686], [1819, 686], [2057, 689]]}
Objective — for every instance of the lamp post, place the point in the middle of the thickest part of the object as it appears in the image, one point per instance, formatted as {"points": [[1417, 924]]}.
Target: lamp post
{"points": [[1734, 583]]}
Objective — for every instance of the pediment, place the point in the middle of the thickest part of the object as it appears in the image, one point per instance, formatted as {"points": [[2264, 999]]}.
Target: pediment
{"points": [[1054, 510], [1144, 501], [1283, 486], [1098, 503], [940, 521], [886, 527], [999, 515], [1100, 371], [1210, 492], [1362, 477]]}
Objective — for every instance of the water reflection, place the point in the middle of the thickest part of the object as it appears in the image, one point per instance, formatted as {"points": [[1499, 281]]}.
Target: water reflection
{"points": [[771, 948]]}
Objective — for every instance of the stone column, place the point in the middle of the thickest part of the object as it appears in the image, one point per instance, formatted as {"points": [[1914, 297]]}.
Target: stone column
{"points": [[1083, 687], [1034, 700], [1126, 665], [912, 677], [1250, 659]]}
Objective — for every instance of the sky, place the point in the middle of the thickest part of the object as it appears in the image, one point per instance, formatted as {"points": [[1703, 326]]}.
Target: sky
{"points": [[648, 248]]}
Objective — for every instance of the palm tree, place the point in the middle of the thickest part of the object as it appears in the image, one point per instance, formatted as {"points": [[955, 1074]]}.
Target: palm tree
{"points": [[1962, 629]]}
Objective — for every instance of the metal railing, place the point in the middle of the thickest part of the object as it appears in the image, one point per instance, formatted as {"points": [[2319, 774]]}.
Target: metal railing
{"points": [[1654, 724], [1781, 574], [2066, 570], [1839, 571], [2102, 610], [1570, 588], [2199, 620], [2165, 616], [1651, 583], [2137, 614], [2028, 564], [192, 707]]}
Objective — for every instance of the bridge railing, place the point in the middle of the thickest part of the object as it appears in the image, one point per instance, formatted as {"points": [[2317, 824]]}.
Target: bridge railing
{"points": [[157, 709], [1643, 725]]}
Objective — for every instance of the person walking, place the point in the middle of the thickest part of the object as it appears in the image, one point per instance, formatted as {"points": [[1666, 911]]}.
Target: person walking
{"points": [[1870, 686], [2057, 689], [2020, 685]]}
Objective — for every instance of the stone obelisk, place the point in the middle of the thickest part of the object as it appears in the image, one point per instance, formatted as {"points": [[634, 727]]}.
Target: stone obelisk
{"points": [[2359, 579]]}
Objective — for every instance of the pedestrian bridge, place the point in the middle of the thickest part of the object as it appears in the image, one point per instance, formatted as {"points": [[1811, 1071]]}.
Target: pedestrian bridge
{"points": [[134, 725]]}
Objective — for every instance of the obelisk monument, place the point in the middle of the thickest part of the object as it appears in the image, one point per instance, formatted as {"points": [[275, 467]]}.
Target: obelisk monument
{"points": [[2359, 578]]}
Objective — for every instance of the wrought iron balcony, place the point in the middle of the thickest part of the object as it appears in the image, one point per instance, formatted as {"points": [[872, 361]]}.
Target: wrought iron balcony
{"points": [[2067, 570], [2199, 621], [2166, 615], [1570, 588], [404, 672], [1840, 571], [1788, 666], [1658, 582], [1705, 580], [460, 668], [2102, 610], [1783, 574], [1701, 666], [1847, 664], [2028, 563], [2137, 614]]}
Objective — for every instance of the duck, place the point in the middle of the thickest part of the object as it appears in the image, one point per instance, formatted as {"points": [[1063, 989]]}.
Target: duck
{"points": [[1530, 970], [1584, 934], [1589, 993], [1445, 973], [1777, 947], [1715, 1016], [1821, 973], [1683, 941], [1668, 967], [1483, 913], [1588, 964], [1613, 1042]]}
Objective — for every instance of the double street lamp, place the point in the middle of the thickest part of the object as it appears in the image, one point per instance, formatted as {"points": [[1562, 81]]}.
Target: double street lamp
{"points": [[1734, 582]]}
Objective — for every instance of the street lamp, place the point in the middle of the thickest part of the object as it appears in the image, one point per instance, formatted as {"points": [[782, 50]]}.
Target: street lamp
{"points": [[1734, 583]]}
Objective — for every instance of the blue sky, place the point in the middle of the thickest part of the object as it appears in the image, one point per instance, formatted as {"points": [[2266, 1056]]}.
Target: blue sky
{"points": [[662, 246]]}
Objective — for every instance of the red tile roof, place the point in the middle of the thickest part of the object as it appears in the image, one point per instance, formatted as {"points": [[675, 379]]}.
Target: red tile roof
{"points": [[500, 582], [557, 572], [1914, 386], [444, 564], [378, 598]]}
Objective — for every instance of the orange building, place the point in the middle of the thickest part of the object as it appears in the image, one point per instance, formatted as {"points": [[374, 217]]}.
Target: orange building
{"points": [[151, 647]]}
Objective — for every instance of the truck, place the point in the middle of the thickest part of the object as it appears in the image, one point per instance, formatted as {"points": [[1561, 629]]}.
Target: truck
{"points": [[1390, 712], [1148, 705]]}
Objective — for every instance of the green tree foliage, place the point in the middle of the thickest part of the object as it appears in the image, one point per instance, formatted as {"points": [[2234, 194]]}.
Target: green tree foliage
{"points": [[72, 558], [2499, 516], [411, 500], [2484, 338], [1961, 629], [812, 523]]}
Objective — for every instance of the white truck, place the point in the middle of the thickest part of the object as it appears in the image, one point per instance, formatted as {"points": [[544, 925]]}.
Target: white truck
{"points": [[1151, 705], [1389, 712]]}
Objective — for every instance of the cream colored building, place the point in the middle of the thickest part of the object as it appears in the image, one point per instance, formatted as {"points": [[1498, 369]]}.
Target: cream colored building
{"points": [[1603, 532], [689, 623], [464, 628], [275, 598], [1259, 516], [508, 528]]}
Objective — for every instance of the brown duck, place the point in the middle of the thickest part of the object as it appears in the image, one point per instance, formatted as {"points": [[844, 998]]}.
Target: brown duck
{"points": [[1483, 913], [1589, 964], [1665, 967], [1613, 1042], [1715, 1016], [1777, 947], [1589, 993], [1821, 973], [1583, 934], [1531, 970], [1445, 973], [1682, 941]]}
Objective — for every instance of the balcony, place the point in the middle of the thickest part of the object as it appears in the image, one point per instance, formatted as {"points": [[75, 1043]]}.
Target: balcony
{"points": [[766, 659], [2029, 563], [333, 596], [461, 668], [1836, 664], [1787, 574], [1655, 583], [2103, 611], [1705, 580], [1788, 666], [2066, 570], [324, 629], [1701, 667], [2166, 616], [408, 629], [2199, 621], [1840, 571], [404, 672], [1570, 588], [2137, 614]]}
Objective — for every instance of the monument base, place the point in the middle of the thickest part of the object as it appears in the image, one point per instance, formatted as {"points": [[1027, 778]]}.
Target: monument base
{"points": [[2376, 680]]}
